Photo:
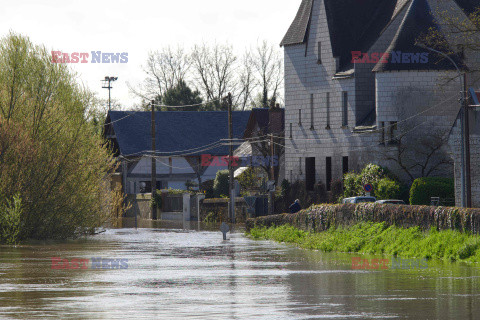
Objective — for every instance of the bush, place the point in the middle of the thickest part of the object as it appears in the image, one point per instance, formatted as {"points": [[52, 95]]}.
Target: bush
{"points": [[320, 193], [221, 184], [285, 186], [336, 191], [423, 189], [352, 185], [385, 184], [207, 187], [10, 221], [387, 189]]}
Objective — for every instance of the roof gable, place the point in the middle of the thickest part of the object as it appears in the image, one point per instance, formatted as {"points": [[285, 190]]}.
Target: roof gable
{"points": [[297, 33], [417, 22]]}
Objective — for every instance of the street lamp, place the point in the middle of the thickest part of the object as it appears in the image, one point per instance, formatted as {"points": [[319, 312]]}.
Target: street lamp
{"points": [[108, 86], [465, 130]]}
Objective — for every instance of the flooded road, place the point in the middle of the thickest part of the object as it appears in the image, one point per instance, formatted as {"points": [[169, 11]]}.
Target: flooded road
{"points": [[189, 274]]}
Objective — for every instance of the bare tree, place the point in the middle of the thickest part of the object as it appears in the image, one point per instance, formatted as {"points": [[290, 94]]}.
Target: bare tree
{"points": [[214, 72], [268, 65], [246, 83], [164, 69], [417, 143]]}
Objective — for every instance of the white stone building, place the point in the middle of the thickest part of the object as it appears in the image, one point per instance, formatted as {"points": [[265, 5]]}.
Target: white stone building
{"points": [[341, 115]]}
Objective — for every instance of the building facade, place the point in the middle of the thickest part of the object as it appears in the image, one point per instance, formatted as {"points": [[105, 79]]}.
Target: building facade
{"points": [[359, 89]]}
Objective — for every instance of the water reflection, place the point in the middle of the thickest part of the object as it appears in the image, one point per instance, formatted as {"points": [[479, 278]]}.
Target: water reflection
{"points": [[190, 272]]}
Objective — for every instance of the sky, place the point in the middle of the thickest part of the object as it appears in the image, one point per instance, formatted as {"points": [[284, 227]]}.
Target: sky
{"points": [[140, 26]]}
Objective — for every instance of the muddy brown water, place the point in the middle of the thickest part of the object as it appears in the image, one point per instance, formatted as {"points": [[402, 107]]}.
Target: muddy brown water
{"points": [[188, 272]]}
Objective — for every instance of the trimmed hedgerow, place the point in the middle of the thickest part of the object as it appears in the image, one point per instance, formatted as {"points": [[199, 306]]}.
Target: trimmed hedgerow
{"points": [[322, 217], [423, 189]]}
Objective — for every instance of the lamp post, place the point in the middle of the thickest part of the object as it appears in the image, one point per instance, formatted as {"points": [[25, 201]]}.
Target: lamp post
{"points": [[465, 130], [108, 86]]}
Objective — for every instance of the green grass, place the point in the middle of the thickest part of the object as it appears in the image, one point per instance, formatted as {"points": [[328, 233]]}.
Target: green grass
{"points": [[377, 238]]}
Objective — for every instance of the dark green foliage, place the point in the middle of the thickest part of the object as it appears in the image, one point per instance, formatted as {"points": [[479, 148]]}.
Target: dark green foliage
{"points": [[286, 186], [336, 191], [221, 184], [387, 189], [423, 189], [319, 193], [181, 95], [207, 187]]}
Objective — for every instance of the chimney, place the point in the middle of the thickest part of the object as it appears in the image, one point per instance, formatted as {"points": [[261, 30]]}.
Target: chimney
{"points": [[275, 119]]}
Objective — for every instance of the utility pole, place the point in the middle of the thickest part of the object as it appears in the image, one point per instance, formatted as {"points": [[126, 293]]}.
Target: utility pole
{"points": [[230, 159], [109, 87], [154, 164], [271, 193], [468, 180]]}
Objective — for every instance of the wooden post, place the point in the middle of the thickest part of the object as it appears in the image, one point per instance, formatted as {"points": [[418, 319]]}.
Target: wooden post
{"points": [[154, 164], [230, 159]]}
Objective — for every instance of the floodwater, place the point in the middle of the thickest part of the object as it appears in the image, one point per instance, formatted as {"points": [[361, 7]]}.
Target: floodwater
{"points": [[176, 273]]}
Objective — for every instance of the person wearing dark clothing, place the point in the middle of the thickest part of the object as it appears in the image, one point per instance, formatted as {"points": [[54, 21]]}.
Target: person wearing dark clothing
{"points": [[295, 207]]}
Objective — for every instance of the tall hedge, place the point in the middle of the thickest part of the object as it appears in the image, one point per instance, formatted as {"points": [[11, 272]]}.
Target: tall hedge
{"points": [[221, 184], [423, 189]]}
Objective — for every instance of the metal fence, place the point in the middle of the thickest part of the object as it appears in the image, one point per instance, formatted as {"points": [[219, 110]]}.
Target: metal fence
{"points": [[443, 202]]}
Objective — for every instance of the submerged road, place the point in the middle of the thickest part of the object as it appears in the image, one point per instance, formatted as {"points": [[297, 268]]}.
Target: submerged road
{"points": [[167, 273]]}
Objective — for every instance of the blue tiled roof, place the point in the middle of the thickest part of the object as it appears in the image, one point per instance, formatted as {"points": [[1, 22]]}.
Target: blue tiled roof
{"points": [[177, 132]]}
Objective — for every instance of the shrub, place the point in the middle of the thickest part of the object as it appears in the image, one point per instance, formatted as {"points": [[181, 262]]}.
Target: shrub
{"points": [[373, 174], [207, 187], [248, 179], [221, 184], [387, 189], [320, 193], [423, 189], [10, 221], [352, 184], [285, 186], [336, 191]]}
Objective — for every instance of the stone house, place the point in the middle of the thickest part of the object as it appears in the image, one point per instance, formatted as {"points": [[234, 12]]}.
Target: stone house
{"points": [[359, 89]]}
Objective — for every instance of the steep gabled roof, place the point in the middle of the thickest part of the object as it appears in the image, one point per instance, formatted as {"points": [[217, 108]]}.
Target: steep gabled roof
{"points": [[468, 6], [297, 33], [354, 25], [177, 133], [417, 22]]}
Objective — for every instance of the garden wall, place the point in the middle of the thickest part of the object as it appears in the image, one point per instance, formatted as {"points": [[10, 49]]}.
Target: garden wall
{"points": [[322, 217], [217, 209]]}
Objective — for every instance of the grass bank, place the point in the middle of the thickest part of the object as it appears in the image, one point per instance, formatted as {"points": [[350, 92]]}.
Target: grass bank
{"points": [[378, 238]]}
